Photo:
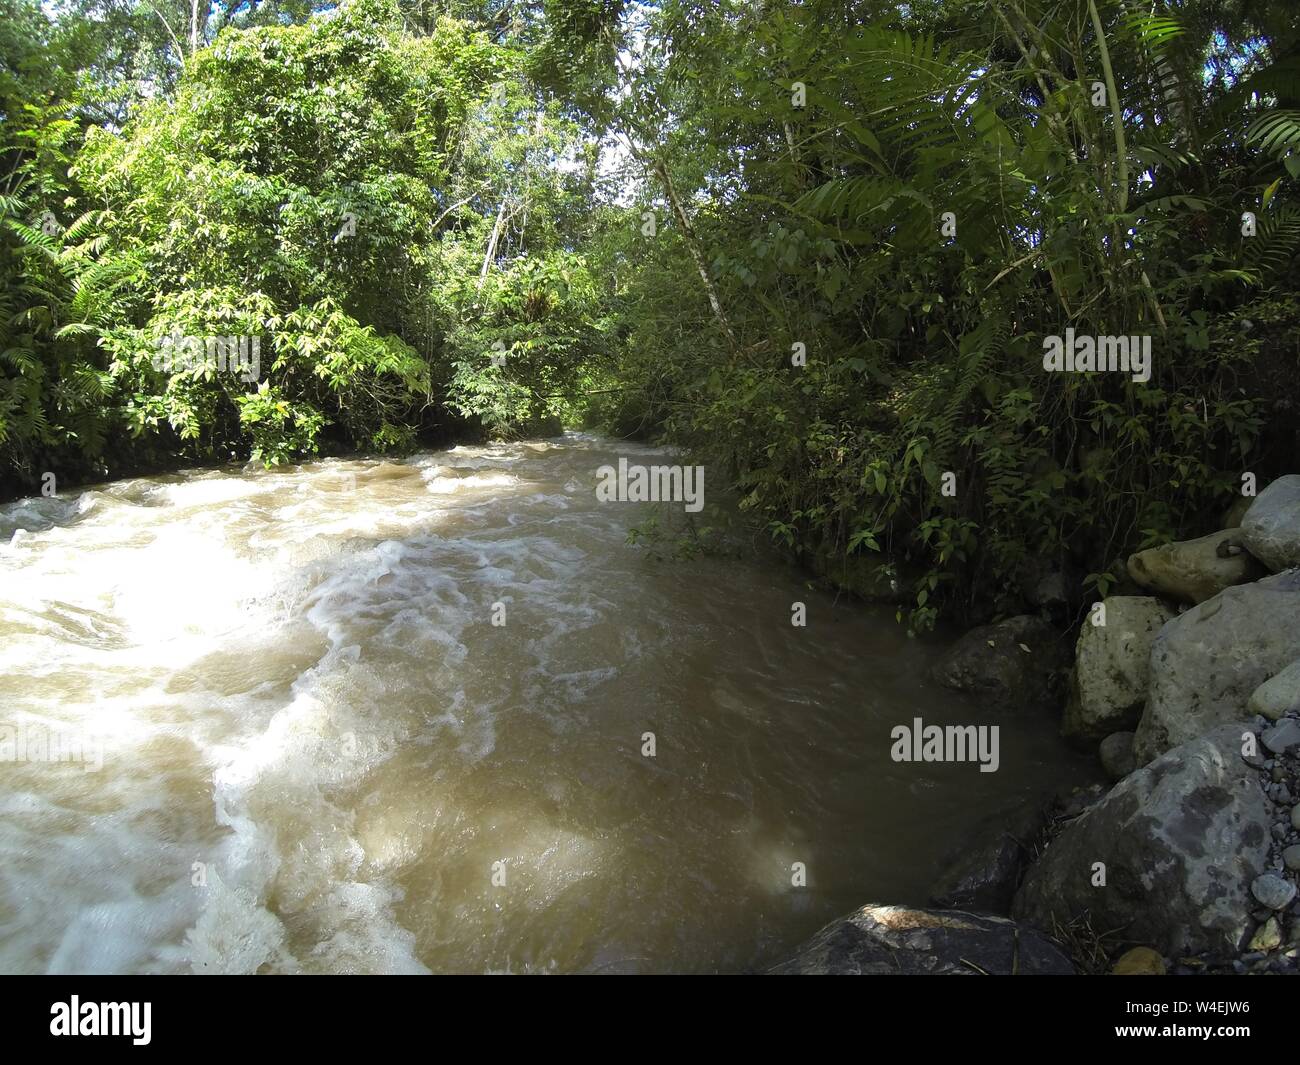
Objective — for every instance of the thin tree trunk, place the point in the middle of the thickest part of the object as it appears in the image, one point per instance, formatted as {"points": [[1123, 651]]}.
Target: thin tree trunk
{"points": [[693, 245], [497, 226], [1116, 112]]}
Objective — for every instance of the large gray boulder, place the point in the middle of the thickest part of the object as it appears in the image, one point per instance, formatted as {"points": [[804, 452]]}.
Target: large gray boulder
{"points": [[1016, 664], [1192, 571], [899, 940], [1271, 527], [1206, 663], [1181, 841], [1109, 685]]}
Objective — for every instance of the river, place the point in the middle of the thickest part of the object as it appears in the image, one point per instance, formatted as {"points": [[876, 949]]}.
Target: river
{"points": [[299, 743]]}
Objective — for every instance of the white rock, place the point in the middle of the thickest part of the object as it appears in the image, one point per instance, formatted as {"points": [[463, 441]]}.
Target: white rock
{"points": [[1271, 528], [1109, 685]]}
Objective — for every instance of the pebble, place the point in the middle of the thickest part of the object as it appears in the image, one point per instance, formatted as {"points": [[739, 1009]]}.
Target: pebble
{"points": [[1267, 937], [1295, 817], [1273, 891], [1291, 857]]}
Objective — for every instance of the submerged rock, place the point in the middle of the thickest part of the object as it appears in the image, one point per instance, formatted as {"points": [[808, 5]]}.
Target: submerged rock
{"points": [[1016, 664], [1206, 664], [984, 877], [1109, 686], [1179, 843], [899, 940], [1192, 571], [1271, 528]]}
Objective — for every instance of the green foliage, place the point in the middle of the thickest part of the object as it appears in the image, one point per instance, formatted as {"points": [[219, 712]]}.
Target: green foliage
{"points": [[538, 334], [324, 191], [924, 353]]}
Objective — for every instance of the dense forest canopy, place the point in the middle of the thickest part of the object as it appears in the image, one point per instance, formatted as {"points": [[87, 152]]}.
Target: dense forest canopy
{"points": [[817, 244]]}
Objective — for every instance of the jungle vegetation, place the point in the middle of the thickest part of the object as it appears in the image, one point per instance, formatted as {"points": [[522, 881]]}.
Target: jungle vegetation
{"points": [[816, 244]]}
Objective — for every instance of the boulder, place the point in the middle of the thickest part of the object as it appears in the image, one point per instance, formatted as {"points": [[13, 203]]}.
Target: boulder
{"points": [[1206, 663], [1192, 571], [1278, 694], [1181, 841], [1271, 527], [1016, 664], [1116, 754], [1109, 686], [899, 940], [984, 876]]}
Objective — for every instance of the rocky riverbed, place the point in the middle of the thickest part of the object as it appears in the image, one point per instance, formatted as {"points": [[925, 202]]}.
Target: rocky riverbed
{"points": [[1189, 692]]}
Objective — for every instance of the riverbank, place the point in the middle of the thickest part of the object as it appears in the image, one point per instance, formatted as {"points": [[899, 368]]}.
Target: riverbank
{"points": [[1190, 697]]}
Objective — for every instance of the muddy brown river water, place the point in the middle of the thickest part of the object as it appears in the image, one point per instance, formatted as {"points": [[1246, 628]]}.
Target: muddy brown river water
{"points": [[296, 741]]}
